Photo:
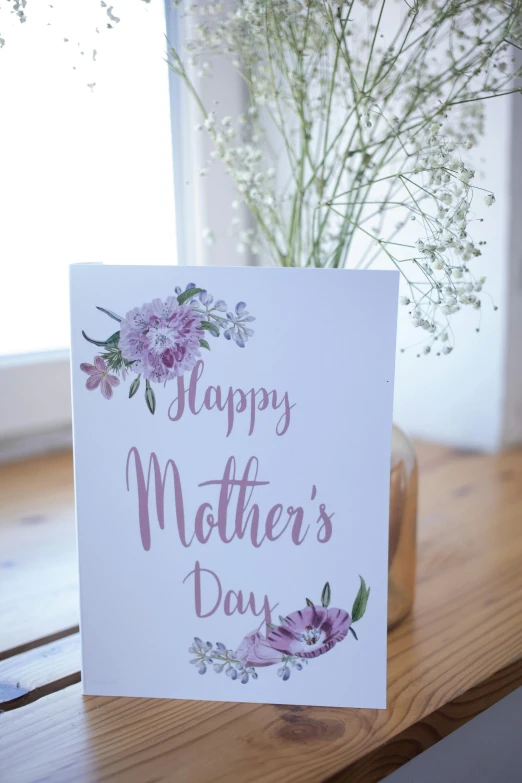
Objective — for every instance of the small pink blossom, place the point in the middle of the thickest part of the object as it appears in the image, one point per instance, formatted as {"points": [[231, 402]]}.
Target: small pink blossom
{"points": [[99, 376], [310, 632], [254, 650]]}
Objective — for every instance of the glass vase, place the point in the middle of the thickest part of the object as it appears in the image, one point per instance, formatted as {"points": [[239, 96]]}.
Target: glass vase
{"points": [[403, 528]]}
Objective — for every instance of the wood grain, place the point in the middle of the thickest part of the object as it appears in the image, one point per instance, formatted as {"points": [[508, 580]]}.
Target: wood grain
{"points": [[434, 727], [459, 652], [39, 671], [38, 572]]}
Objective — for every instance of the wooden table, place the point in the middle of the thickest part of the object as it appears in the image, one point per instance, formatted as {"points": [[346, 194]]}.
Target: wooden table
{"points": [[458, 653]]}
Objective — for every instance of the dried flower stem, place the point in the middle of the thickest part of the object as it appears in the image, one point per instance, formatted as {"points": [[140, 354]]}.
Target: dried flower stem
{"points": [[371, 108]]}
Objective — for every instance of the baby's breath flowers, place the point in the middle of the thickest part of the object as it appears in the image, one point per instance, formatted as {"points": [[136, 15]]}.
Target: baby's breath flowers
{"points": [[355, 143]]}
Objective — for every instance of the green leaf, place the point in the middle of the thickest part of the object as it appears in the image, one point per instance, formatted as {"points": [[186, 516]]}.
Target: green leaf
{"points": [[309, 603], [211, 327], [282, 619], [135, 385], [270, 626], [114, 339], [361, 599], [115, 360], [204, 344], [150, 397], [101, 343], [353, 633], [326, 595], [188, 294], [110, 313]]}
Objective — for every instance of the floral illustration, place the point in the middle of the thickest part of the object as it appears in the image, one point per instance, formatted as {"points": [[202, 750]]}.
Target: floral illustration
{"points": [[299, 637], [99, 376], [310, 632], [162, 339]]}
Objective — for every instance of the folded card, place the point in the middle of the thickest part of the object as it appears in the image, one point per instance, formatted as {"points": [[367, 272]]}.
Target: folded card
{"points": [[232, 432]]}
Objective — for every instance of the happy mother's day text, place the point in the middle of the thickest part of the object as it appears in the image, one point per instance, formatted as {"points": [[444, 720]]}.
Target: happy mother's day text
{"points": [[235, 509]]}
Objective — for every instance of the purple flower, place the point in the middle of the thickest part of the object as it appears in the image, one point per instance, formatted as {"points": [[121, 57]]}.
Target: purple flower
{"points": [[189, 285], [310, 632], [203, 653], [255, 650], [99, 376], [210, 311], [284, 673], [205, 298], [161, 339], [245, 672], [225, 660], [237, 331]]}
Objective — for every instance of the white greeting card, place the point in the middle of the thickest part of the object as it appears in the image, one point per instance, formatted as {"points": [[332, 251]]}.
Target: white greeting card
{"points": [[232, 432]]}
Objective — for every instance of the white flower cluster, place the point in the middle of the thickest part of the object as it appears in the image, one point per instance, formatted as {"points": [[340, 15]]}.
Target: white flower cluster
{"points": [[376, 111], [445, 250]]}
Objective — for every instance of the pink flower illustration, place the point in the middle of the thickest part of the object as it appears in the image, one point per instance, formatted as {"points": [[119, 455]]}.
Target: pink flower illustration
{"points": [[302, 635], [310, 632], [254, 650], [99, 376], [161, 339]]}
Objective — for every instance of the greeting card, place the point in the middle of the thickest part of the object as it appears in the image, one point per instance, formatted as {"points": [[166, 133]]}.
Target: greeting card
{"points": [[232, 432]]}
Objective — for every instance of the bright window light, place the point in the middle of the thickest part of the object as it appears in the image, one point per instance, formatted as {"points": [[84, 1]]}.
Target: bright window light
{"points": [[86, 158]]}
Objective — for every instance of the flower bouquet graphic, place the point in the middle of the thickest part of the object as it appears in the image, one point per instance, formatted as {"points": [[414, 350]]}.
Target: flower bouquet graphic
{"points": [[162, 340], [300, 637]]}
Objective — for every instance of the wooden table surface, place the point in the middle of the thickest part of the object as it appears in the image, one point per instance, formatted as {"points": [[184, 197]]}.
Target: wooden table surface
{"points": [[459, 652]]}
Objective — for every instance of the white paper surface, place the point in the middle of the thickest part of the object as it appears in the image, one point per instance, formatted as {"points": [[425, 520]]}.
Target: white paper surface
{"points": [[322, 348]]}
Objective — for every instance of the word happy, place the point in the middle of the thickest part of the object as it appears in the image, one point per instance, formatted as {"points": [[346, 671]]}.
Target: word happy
{"points": [[230, 401]]}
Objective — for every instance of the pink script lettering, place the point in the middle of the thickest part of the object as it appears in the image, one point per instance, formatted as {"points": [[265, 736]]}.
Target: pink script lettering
{"points": [[231, 600], [236, 516], [231, 401]]}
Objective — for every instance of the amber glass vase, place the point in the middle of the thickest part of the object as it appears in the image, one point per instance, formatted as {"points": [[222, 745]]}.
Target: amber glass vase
{"points": [[403, 528]]}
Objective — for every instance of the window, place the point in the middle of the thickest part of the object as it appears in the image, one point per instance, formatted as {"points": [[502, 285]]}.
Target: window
{"points": [[85, 140]]}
